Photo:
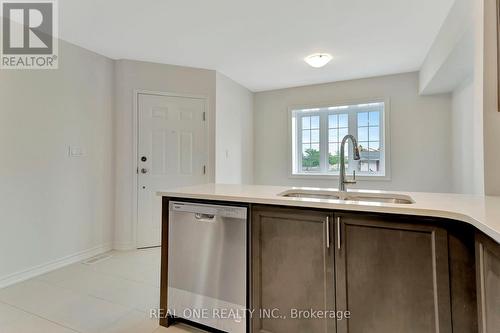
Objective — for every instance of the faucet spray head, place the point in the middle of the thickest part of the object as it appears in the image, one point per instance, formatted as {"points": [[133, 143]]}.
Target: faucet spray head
{"points": [[356, 152]]}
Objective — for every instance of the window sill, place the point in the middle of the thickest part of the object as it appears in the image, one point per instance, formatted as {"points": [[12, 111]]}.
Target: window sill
{"points": [[325, 176]]}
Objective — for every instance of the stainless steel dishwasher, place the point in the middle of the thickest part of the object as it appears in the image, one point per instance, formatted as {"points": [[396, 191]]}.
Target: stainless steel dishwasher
{"points": [[207, 265]]}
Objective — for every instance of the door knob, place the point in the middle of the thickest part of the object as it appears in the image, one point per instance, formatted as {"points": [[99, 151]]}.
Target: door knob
{"points": [[144, 170]]}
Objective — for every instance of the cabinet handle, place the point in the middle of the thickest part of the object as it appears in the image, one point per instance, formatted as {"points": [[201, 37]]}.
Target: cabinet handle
{"points": [[328, 232], [339, 246]]}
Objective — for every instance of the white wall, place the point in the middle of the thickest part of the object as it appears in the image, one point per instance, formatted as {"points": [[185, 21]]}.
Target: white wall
{"points": [[450, 60], [130, 75], [53, 208], [455, 63], [466, 140], [234, 132], [420, 132], [481, 127], [476, 120], [468, 113]]}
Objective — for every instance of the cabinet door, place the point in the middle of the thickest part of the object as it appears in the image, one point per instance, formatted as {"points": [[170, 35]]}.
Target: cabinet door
{"points": [[292, 268], [488, 284], [391, 275]]}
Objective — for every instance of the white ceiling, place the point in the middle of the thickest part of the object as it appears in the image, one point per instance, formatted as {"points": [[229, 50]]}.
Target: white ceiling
{"points": [[261, 43]]}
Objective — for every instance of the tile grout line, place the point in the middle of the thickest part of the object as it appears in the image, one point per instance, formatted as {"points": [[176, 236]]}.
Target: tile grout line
{"points": [[124, 316], [102, 273], [130, 308], [39, 316], [99, 272]]}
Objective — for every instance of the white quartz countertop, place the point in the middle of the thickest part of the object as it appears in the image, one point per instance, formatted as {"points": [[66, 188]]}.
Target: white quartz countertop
{"points": [[483, 212]]}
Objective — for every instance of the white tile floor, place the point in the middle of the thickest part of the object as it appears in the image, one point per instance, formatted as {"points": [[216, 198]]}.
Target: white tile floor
{"points": [[111, 296]]}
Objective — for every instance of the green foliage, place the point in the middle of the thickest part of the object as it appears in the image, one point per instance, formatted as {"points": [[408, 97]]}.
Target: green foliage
{"points": [[334, 159], [311, 157]]}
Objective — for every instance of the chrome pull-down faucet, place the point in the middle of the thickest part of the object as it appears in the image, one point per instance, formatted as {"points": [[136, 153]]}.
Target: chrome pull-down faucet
{"points": [[342, 177]]}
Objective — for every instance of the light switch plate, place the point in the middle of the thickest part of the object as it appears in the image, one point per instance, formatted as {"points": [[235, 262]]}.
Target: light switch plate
{"points": [[75, 151]]}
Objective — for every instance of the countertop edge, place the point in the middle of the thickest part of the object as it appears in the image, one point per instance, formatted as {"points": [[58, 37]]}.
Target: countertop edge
{"points": [[403, 210]]}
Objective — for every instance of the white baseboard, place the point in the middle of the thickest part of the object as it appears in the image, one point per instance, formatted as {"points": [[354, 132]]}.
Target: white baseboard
{"points": [[52, 265], [124, 246]]}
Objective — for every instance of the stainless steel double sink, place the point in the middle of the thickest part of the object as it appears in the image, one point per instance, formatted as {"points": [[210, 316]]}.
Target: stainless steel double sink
{"points": [[390, 198]]}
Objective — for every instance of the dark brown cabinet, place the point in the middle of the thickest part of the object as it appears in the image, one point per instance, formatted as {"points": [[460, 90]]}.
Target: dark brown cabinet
{"points": [[392, 275], [292, 269], [488, 284]]}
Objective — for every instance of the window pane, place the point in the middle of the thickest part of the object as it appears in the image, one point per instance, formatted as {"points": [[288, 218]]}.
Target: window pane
{"points": [[306, 122], [342, 133], [333, 148], [310, 158], [305, 148], [374, 134], [363, 166], [374, 118], [363, 146], [315, 122], [374, 146], [333, 121], [363, 119], [333, 158], [373, 166], [306, 136], [343, 120], [314, 135], [333, 135], [363, 134]]}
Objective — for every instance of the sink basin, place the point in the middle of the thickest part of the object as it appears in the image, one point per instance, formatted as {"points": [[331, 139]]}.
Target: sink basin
{"points": [[391, 198], [404, 200], [311, 195]]}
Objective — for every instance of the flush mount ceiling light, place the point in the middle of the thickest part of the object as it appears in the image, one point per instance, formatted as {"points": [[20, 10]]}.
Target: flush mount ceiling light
{"points": [[318, 60]]}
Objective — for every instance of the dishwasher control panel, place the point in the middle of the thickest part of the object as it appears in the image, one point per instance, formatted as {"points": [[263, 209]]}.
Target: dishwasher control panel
{"points": [[222, 211]]}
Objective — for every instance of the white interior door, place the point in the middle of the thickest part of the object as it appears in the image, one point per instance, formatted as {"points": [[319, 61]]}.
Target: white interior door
{"points": [[172, 152]]}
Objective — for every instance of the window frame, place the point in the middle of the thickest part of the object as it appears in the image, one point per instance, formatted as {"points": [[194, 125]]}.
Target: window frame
{"points": [[294, 163]]}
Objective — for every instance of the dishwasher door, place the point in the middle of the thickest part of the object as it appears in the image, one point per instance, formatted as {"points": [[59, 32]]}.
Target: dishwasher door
{"points": [[207, 265]]}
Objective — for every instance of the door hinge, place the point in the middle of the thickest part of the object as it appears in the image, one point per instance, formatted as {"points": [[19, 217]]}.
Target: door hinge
{"points": [[204, 169], [204, 116]]}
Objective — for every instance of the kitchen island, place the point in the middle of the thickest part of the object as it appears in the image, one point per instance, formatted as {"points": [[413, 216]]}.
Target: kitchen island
{"points": [[431, 264]]}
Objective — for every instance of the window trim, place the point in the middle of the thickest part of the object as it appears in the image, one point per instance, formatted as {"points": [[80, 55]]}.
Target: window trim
{"points": [[291, 146]]}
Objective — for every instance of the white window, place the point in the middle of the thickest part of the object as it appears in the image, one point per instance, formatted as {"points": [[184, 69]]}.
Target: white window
{"points": [[318, 132]]}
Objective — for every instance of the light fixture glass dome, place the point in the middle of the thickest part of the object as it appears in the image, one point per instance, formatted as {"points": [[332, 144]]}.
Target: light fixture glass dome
{"points": [[318, 60]]}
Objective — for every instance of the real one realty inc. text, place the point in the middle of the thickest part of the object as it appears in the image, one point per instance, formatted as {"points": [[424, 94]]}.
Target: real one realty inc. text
{"points": [[241, 314]]}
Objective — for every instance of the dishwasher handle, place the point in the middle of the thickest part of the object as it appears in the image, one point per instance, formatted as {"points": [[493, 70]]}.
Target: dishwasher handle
{"points": [[204, 217], [209, 212]]}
